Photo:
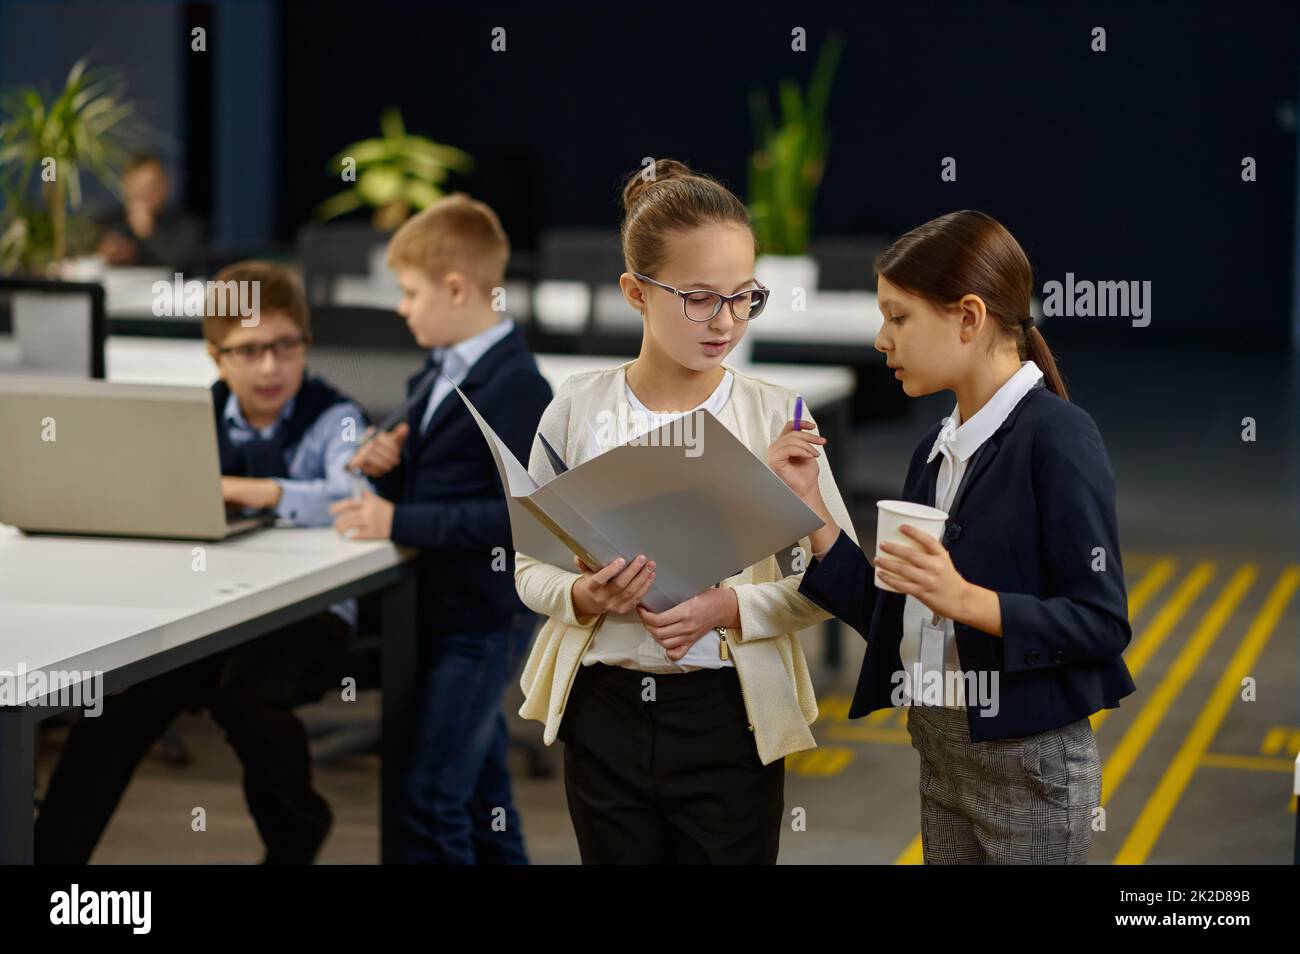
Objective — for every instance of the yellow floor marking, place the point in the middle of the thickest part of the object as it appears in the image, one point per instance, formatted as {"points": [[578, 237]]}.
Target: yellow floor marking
{"points": [[825, 760], [1160, 806], [1281, 738], [1148, 719], [1258, 763], [1161, 625], [1150, 640]]}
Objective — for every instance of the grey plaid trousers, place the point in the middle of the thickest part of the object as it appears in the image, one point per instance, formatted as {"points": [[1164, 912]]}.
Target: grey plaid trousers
{"points": [[1009, 801]]}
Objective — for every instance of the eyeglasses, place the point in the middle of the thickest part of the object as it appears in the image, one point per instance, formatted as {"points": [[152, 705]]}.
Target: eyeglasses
{"points": [[701, 304], [286, 349]]}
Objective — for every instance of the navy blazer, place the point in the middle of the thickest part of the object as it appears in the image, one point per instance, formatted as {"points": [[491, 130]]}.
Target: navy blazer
{"points": [[451, 504], [1039, 500]]}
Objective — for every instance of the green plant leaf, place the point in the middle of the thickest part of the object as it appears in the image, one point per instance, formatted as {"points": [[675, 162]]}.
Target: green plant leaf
{"points": [[366, 151], [421, 194], [379, 185], [340, 204], [390, 123], [86, 127], [396, 171], [448, 156], [789, 156]]}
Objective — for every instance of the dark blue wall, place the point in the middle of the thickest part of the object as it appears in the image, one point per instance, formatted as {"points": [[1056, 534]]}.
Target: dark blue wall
{"points": [[1116, 165], [40, 41], [1122, 165]]}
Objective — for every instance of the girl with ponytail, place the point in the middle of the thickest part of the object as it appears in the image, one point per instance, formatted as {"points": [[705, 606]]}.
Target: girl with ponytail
{"points": [[675, 724], [1005, 635]]}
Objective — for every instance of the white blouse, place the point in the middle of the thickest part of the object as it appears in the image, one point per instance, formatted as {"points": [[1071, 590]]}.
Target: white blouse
{"points": [[924, 649], [622, 640]]}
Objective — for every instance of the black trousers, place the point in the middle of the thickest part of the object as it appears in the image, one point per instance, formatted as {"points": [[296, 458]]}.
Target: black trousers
{"points": [[251, 692], [666, 771]]}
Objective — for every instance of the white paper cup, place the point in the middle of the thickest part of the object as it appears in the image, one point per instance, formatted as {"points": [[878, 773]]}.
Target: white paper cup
{"points": [[890, 514]]}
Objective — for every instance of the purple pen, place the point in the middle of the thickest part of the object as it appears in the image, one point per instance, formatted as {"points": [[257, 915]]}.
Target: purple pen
{"points": [[798, 410]]}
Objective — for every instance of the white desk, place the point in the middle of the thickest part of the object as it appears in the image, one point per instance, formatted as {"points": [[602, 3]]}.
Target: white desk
{"points": [[848, 318], [839, 319], [136, 360], [128, 289], [132, 609]]}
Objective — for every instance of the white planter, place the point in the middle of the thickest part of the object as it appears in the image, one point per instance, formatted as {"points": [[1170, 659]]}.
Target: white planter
{"points": [[784, 274]]}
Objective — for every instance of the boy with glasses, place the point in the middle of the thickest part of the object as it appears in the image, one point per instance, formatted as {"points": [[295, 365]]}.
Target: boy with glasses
{"points": [[284, 438]]}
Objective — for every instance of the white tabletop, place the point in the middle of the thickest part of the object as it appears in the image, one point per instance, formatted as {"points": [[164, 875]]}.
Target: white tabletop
{"points": [[849, 318], [86, 603], [139, 360]]}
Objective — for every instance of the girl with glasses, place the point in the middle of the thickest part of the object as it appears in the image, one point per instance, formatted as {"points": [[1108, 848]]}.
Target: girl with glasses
{"points": [[675, 724]]}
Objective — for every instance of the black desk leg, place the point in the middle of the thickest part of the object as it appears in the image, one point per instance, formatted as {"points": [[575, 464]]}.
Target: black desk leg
{"points": [[17, 784], [398, 674]]}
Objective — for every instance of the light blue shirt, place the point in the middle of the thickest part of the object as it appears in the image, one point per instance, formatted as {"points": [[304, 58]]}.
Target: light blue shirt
{"points": [[456, 362], [316, 466]]}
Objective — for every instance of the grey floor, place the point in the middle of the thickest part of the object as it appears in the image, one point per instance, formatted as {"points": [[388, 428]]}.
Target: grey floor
{"points": [[1194, 772]]}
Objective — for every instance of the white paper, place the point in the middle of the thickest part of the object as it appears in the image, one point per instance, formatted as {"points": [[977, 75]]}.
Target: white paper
{"points": [[703, 514]]}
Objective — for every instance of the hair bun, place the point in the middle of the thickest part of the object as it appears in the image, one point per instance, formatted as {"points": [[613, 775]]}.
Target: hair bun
{"points": [[640, 182]]}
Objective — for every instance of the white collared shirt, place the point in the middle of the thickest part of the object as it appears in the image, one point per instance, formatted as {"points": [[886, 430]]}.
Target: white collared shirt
{"points": [[622, 640], [956, 443], [457, 360]]}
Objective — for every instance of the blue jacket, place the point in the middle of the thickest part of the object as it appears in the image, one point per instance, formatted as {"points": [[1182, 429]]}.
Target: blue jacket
{"points": [[451, 505], [1039, 499]]}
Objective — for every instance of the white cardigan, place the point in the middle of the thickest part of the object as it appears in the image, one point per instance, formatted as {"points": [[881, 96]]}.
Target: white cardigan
{"points": [[773, 673]]}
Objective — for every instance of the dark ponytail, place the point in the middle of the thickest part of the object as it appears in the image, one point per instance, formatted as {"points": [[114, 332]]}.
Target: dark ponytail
{"points": [[1036, 350], [971, 253]]}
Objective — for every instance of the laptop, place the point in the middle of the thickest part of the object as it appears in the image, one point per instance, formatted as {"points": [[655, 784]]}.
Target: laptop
{"points": [[129, 460]]}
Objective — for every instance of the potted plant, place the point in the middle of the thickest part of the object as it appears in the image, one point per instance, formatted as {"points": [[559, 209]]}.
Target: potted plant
{"points": [[89, 126], [785, 171], [395, 174]]}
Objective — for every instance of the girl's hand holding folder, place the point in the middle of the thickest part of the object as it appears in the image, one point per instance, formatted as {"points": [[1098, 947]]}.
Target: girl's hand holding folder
{"points": [[677, 628], [615, 588], [680, 627]]}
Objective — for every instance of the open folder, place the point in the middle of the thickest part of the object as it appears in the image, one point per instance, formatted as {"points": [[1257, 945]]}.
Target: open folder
{"points": [[702, 512]]}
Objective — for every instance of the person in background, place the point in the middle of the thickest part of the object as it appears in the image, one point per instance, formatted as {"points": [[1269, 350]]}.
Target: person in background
{"points": [[147, 231]]}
